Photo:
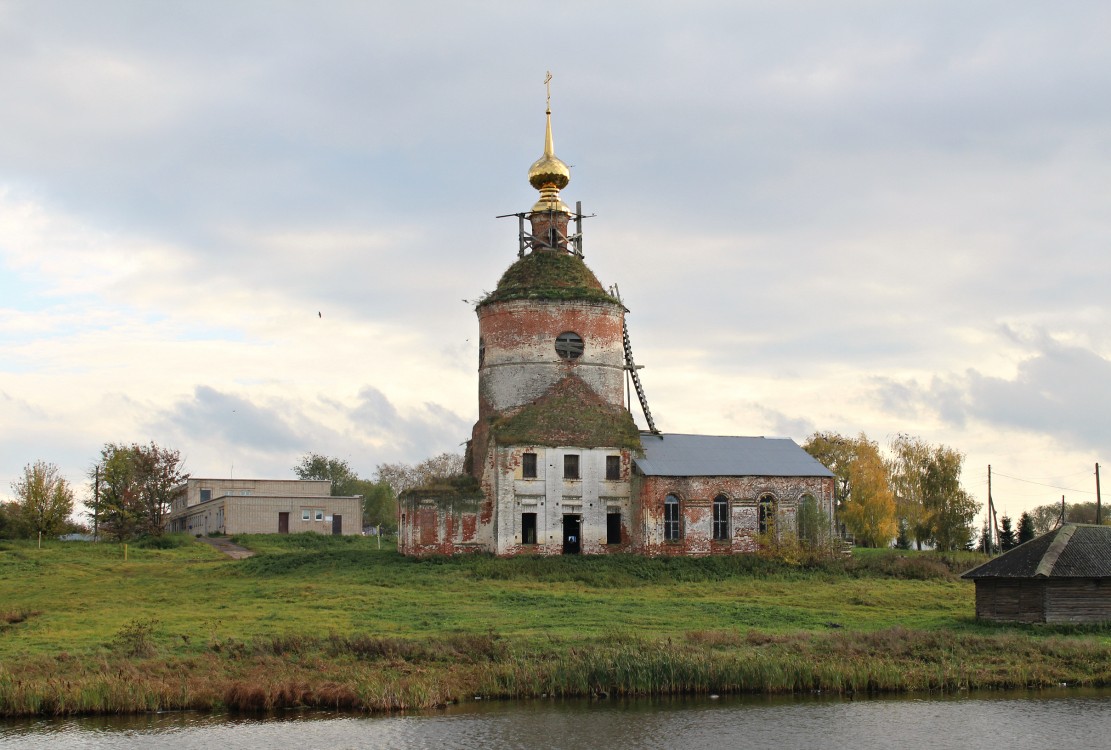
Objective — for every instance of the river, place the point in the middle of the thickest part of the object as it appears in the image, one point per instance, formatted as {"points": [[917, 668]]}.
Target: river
{"points": [[1011, 721]]}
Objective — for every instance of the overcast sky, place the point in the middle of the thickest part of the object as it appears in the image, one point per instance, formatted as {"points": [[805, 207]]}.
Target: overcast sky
{"points": [[248, 230]]}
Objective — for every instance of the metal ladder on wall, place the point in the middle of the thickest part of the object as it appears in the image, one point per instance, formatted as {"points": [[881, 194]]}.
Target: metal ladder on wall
{"points": [[631, 368]]}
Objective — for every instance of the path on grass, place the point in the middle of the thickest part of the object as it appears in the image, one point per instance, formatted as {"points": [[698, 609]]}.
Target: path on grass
{"points": [[234, 551]]}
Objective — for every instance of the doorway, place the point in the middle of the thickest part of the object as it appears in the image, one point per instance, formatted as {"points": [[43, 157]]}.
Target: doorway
{"points": [[572, 535], [283, 523], [337, 524]]}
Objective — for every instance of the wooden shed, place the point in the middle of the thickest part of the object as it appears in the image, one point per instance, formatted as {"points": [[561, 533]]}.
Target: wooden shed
{"points": [[1062, 576]]}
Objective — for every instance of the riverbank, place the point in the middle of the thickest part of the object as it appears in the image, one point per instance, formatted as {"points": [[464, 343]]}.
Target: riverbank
{"points": [[335, 623]]}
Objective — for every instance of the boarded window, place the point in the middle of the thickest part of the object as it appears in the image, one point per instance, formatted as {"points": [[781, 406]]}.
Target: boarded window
{"points": [[613, 467], [569, 345], [721, 518], [528, 528], [426, 519], [671, 519], [571, 466], [613, 527], [528, 465]]}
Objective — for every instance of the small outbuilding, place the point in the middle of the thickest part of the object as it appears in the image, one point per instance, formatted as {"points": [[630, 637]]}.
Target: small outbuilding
{"points": [[1062, 576]]}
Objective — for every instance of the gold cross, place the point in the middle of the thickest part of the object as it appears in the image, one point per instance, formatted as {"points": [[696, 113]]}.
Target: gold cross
{"points": [[548, 87]]}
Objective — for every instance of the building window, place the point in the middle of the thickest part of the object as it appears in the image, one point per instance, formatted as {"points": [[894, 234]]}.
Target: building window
{"points": [[206, 495], [528, 528], [721, 518], [569, 345], [613, 527], [767, 514], [481, 351], [571, 466], [613, 467], [528, 465], [319, 515], [671, 519]]}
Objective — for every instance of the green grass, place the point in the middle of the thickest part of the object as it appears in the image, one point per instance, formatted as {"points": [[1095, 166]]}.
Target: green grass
{"points": [[320, 620]]}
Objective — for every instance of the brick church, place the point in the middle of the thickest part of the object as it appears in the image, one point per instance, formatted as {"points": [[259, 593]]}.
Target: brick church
{"points": [[556, 464]]}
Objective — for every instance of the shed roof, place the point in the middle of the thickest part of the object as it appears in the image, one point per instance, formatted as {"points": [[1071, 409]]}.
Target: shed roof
{"points": [[723, 456], [1071, 551]]}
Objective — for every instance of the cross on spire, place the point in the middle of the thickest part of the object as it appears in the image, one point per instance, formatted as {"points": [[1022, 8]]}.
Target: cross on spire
{"points": [[548, 88]]}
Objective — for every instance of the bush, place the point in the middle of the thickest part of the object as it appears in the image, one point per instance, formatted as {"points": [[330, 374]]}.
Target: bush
{"points": [[164, 541]]}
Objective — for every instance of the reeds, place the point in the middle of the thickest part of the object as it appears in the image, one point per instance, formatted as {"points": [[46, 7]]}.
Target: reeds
{"points": [[368, 673]]}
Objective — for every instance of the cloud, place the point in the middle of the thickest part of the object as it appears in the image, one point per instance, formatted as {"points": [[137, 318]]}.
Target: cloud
{"points": [[1059, 390]]}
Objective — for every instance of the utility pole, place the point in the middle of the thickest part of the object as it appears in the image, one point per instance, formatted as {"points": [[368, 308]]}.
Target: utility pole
{"points": [[991, 508], [1099, 509]]}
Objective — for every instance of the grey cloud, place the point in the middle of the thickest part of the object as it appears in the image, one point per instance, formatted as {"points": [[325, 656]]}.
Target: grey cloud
{"points": [[211, 415], [1061, 390]]}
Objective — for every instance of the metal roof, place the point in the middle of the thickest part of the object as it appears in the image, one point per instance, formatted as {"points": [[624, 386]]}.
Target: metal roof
{"points": [[719, 456], [1072, 551]]}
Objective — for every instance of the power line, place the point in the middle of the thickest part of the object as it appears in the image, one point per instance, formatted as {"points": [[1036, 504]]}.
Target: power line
{"points": [[1042, 484]]}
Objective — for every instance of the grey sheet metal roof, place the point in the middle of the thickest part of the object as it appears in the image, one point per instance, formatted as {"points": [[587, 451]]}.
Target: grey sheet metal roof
{"points": [[716, 456], [1072, 551]]}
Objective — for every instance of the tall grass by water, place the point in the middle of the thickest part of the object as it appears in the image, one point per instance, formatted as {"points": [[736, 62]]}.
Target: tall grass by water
{"points": [[334, 622]]}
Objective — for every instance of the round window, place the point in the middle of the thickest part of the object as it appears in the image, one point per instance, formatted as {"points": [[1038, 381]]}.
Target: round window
{"points": [[569, 345]]}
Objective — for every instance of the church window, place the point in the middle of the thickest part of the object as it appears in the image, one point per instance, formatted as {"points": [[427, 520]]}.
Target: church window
{"points": [[528, 465], [613, 467], [721, 518], [571, 466], [671, 519], [613, 527], [569, 345], [766, 515], [528, 528], [481, 351], [553, 237]]}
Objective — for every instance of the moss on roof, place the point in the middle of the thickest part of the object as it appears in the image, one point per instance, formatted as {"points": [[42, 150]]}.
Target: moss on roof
{"points": [[462, 486], [549, 275], [571, 413]]}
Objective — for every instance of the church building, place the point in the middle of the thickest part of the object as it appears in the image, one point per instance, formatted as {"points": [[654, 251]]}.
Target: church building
{"points": [[556, 464]]}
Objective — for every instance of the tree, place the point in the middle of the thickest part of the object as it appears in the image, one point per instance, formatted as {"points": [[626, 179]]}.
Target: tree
{"points": [[401, 476], [44, 499], [379, 504], [11, 522], [835, 452], [136, 485], [1007, 539], [1025, 528], [926, 481], [869, 511], [337, 471], [1046, 518]]}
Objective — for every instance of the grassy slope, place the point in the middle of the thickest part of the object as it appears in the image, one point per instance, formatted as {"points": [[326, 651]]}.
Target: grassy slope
{"points": [[295, 614]]}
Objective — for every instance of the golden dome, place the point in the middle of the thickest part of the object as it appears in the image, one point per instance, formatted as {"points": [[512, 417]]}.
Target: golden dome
{"points": [[549, 175]]}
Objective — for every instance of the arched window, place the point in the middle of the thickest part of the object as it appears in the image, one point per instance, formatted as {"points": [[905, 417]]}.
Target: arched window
{"points": [[569, 345], [767, 514], [721, 518], [671, 519]]}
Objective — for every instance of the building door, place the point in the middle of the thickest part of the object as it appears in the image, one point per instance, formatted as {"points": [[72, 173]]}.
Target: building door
{"points": [[283, 523], [572, 537], [337, 524]]}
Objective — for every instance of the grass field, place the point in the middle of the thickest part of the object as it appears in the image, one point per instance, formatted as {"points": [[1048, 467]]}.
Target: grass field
{"points": [[315, 620]]}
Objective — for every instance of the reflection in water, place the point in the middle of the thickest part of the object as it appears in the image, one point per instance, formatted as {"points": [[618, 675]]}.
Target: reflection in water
{"points": [[1015, 721]]}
